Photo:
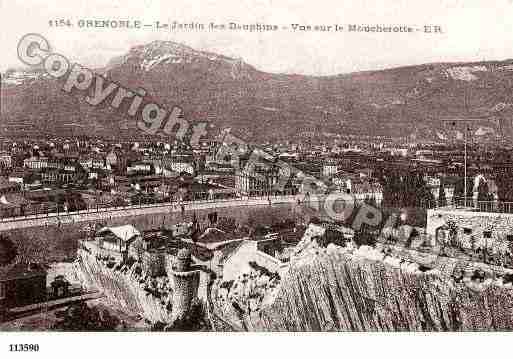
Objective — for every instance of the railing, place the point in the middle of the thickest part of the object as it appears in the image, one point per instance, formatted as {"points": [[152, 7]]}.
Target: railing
{"points": [[477, 206], [197, 199]]}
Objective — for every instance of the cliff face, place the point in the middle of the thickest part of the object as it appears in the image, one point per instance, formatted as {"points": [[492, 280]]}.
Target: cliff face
{"points": [[338, 291], [335, 289], [124, 290]]}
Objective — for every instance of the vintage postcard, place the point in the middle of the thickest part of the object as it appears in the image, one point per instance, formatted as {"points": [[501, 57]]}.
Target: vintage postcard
{"points": [[255, 166]]}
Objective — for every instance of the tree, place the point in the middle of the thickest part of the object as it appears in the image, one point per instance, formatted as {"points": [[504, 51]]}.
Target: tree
{"points": [[8, 251], [193, 321], [442, 200], [453, 232], [81, 317], [421, 195], [483, 192], [460, 186], [391, 184], [504, 182]]}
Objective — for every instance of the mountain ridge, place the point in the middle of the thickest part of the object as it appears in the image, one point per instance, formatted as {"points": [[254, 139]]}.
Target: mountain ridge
{"points": [[397, 102]]}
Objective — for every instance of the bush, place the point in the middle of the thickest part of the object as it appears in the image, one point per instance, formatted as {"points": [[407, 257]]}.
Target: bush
{"points": [[194, 320], [130, 261], [80, 317], [8, 251], [226, 285], [264, 270]]}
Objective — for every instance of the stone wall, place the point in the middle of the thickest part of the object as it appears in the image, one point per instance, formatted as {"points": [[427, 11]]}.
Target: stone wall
{"points": [[122, 290], [185, 286], [153, 263], [472, 223], [86, 216]]}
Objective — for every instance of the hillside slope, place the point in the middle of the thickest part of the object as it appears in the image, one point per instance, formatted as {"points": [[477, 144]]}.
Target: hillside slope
{"points": [[406, 101]]}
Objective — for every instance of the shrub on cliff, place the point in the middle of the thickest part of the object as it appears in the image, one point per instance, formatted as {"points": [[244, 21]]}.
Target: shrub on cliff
{"points": [[8, 251], [81, 317], [195, 320]]}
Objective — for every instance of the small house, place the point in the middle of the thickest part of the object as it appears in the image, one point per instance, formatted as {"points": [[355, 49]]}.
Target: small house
{"points": [[117, 239], [22, 284], [60, 287]]}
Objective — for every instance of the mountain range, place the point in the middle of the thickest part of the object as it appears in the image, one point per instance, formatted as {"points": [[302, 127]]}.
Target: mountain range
{"points": [[409, 102]]}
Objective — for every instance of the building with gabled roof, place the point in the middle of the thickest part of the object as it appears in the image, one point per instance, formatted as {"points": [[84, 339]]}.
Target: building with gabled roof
{"points": [[117, 239]]}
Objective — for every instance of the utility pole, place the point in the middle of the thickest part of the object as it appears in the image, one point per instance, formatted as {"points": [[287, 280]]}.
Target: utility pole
{"points": [[465, 165], [465, 134]]}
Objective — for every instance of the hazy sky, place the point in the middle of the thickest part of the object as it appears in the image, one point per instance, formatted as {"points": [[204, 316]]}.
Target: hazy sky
{"points": [[473, 30]]}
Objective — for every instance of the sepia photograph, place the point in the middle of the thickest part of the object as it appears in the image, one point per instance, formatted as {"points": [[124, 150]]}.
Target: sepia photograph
{"points": [[255, 166]]}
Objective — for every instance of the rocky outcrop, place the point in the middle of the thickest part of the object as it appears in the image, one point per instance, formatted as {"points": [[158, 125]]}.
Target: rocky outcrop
{"points": [[126, 290], [341, 289], [336, 288]]}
